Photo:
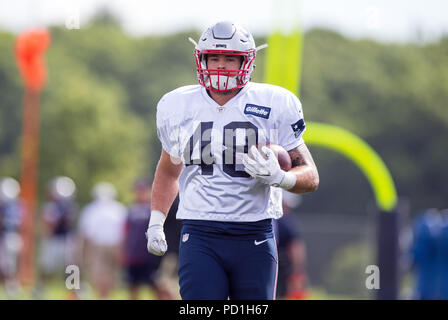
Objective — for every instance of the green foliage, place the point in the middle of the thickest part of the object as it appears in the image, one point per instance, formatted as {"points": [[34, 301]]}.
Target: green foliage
{"points": [[390, 95], [87, 134], [11, 101], [98, 109]]}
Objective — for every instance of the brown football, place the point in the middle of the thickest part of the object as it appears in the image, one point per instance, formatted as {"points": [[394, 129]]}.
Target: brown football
{"points": [[284, 160]]}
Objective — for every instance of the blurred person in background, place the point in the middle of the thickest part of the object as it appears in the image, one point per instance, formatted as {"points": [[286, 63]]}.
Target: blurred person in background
{"points": [[58, 225], [426, 254], [140, 266], [101, 232], [443, 255], [11, 212], [292, 279]]}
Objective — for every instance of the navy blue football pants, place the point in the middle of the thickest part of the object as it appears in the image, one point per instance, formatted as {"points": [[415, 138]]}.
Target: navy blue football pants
{"points": [[218, 268]]}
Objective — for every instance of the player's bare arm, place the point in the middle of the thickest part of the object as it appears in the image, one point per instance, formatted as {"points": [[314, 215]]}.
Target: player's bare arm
{"points": [[307, 176], [165, 186], [164, 191]]}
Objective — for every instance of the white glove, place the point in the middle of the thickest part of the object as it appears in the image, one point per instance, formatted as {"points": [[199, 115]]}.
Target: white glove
{"points": [[268, 170], [156, 237]]}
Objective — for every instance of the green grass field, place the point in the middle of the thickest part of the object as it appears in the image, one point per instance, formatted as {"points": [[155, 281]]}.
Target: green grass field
{"points": [[57, 291]]}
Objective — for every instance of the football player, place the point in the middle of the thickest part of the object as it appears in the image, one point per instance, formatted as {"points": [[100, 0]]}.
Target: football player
{"points": [[57, 248], [227, 247]]}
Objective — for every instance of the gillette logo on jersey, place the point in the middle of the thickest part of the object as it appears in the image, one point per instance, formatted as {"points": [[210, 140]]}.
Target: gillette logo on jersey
{"points": [[258, 111]]}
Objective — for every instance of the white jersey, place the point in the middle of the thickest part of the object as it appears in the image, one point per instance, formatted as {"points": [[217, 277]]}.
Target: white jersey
{"points": [[102, 222], [210, 140]]}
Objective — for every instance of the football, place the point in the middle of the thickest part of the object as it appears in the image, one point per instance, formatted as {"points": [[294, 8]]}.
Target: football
{"points": [[284, 160]]}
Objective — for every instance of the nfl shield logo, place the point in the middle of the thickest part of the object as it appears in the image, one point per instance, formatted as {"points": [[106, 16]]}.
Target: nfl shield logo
{"points": [[185, 237], [220, 109]]}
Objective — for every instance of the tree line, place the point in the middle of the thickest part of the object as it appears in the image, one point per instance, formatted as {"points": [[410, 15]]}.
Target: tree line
{"points": [[98, 109]]}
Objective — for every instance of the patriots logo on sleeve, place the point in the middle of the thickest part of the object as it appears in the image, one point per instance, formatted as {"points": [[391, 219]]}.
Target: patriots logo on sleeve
{"points": [[298, 127]]}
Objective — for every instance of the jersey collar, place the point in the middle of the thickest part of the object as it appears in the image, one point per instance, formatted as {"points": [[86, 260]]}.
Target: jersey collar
{"points": [[229, 103]]}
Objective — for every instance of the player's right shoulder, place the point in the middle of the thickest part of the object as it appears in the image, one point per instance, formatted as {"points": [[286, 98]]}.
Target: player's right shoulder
{"points": [[174, 105], [173, 102], [179, 94]]}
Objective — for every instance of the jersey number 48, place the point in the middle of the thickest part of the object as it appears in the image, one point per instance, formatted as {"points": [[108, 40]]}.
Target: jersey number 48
{"points": [[237, 138]]}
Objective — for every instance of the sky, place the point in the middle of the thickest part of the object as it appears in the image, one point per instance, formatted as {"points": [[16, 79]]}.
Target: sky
{"points": [[383, 20]]}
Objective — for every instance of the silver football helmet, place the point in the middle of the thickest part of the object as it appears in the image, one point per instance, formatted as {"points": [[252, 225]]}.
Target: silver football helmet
{"points": [[225, 38]]}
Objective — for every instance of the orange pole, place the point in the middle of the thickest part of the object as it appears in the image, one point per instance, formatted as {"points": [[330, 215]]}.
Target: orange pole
{"points": [[28, 180], [30, 50]]}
